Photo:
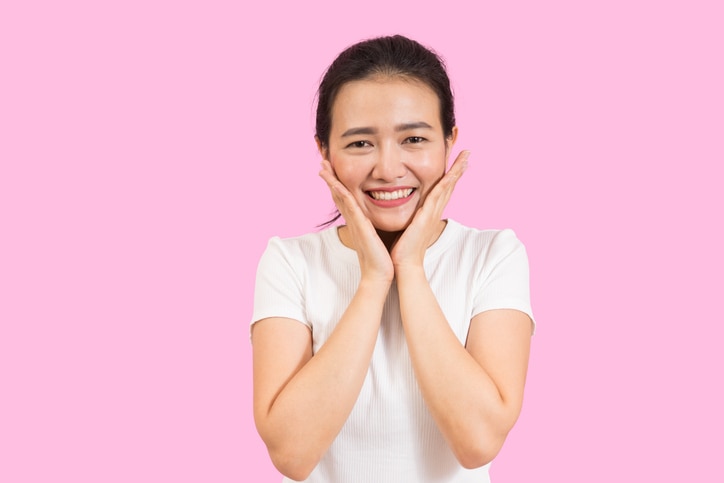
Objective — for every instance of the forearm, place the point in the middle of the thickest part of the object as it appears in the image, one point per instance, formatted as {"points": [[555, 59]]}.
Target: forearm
{"points": [[312, 407], [463, 399]]}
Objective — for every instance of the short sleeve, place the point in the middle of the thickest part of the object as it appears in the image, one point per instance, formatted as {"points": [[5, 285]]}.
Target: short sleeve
{"points": [[279, 287], [504, 281]]}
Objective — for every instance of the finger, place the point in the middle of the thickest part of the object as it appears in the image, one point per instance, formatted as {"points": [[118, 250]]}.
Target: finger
{"points": [[334, 184], [336, 191], [327, 173], [440, 194], [343, 199], [459, 165]]}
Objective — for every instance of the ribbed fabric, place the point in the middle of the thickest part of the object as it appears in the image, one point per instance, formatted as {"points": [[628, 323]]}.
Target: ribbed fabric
{"points": [[390, 435]]}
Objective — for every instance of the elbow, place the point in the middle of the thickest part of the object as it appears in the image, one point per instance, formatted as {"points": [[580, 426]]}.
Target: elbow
{"points": [[472, 459], [291, 458], [293, 464], [479, 446], [479, 452]]}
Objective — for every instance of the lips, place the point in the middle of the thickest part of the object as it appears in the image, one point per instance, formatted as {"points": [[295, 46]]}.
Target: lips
{"points": [[391, 195]]}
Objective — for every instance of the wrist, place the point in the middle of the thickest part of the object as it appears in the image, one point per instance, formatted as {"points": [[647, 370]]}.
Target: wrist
{"points": [[374, 285], [409, 269]]}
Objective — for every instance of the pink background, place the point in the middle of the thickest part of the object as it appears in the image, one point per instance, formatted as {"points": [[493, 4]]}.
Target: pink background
{"points": [[149, 150]]}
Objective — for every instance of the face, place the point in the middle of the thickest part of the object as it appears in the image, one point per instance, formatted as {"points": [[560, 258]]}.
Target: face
{"points": [[387, 147]]}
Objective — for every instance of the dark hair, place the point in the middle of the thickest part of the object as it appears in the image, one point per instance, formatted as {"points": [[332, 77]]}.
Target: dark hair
{"points": [[383, 56], [386, 56]]}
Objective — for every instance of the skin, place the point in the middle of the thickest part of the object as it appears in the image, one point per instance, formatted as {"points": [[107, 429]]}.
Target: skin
{"points": [[386, 133]]}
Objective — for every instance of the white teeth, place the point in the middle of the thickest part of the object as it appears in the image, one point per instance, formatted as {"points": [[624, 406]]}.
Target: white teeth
{"points": [[391, 195]]}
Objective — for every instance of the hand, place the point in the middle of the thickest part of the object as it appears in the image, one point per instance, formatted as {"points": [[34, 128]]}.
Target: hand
{"points": [[422, 231], [375, 262]]}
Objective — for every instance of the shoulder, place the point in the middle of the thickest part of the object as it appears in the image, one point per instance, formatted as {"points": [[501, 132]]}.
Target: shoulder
{"points": [[489, 253], [300, 241], [491, 243], [499, 263], [302, 245], [310, 252]]}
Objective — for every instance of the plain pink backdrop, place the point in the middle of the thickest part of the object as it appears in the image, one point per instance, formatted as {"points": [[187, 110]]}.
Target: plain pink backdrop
{"points": [[149, 150]]}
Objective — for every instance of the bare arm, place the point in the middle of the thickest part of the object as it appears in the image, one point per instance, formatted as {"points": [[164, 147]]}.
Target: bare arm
{"points": [[301, 400], [474, 393]]}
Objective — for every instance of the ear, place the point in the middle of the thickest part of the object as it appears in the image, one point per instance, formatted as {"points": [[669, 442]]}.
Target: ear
{"points": [[321, 148], [450, 142]]}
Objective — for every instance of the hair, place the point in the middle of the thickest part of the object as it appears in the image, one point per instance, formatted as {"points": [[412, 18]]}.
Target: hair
{"points": [[393, 56], [390, 57]]}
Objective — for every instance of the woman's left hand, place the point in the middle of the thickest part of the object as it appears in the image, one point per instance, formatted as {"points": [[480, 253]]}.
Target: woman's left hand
{"points": [[425, 226]]}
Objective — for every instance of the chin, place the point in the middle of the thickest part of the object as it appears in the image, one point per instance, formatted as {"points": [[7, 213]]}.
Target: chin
{"points": [[392, 227]]}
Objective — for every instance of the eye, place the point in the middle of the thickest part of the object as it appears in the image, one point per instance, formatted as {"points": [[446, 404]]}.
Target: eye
{"points": [[415, 140], [359, 144]]}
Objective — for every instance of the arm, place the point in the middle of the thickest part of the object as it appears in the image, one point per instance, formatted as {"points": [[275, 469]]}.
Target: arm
{"points": [[302, 401], [474, 393]]}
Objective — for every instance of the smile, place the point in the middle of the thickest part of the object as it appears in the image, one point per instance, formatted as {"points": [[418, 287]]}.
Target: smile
{"points": [[390, 195]]}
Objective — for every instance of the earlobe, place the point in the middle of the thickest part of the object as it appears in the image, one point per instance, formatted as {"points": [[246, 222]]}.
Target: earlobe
{"points": [[453, 137], [450, 141], [320, 147]]}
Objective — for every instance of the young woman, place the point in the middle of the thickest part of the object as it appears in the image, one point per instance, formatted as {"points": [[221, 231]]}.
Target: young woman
{"points": [[393, 348]]}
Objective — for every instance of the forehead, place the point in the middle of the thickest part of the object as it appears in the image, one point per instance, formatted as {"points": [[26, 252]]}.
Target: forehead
{"points": [[385, 101]]}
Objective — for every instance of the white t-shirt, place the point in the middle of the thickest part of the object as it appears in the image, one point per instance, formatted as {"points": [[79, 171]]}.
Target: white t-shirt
{"points": [[390, 436]]}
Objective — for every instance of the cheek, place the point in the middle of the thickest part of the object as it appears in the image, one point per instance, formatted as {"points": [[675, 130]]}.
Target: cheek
{"points": [[346, 171], [432, 167]]}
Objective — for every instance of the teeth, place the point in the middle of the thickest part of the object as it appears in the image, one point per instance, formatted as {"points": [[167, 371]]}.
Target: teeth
{"points": [[391, 195]]}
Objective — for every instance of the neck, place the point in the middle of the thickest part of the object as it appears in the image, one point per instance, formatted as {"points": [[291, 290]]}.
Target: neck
{"points": [[389, 238]]}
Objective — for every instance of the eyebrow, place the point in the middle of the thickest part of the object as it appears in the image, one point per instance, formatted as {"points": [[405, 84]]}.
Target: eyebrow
{"points": [[400, 127]]}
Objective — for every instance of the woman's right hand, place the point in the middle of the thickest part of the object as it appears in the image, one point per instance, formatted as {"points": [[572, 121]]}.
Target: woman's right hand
{"points": [[374, 259]]}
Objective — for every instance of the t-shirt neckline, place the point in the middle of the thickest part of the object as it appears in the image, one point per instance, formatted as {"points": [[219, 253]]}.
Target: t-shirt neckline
{"points": [[347, 254]]}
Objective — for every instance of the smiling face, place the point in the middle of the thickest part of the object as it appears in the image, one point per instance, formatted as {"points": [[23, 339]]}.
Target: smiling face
{"points": [[387, 147]]}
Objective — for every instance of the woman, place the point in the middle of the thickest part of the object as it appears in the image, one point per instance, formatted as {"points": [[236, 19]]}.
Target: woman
{"points": [[394, 347]]}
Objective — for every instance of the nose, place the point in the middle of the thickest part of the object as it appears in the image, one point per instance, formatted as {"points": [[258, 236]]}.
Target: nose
{"points": [[389, 165]]}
